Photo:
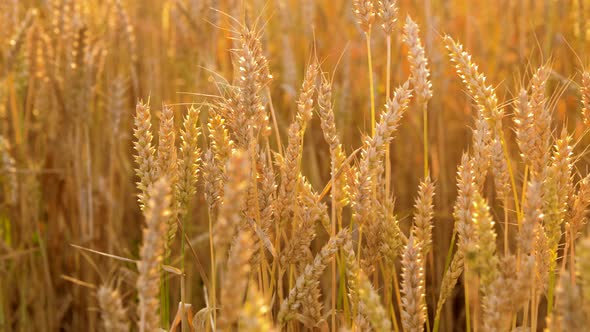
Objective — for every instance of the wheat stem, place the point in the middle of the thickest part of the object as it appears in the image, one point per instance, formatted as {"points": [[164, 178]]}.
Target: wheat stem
{"points": [[371, 84]]}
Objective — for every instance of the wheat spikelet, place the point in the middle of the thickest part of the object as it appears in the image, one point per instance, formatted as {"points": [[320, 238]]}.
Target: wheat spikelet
{"points": [[114, 315], [254, 313], [524, 119], [221, 143], [352, 276], [475, 82], [481, 151], [507, 293], [230, 211], [303, 227], [252, 210], [292, 161], [386, 234], [253, 78], [212, 180], [337, 156], [373, 308], [420, 78], [117, 104], [486, 260], [151, 255], [33, 53], [79, 48], [568, 314], [423, 216], [500, 170], [373, 152], [267, 193], [145, 158], [542, 122], [413, 287], [167, 164], [167, 157], [556, 191], [364, 13], [305, 101], [363, 297], [215, 160], [532, 217], [542, 255], [309, 279], [129, 32], [577, 215], [463, 209], [188, 163], [16, 41], [388, 15], [450, 280], [289, 168], [288, 55], [235, 280]]}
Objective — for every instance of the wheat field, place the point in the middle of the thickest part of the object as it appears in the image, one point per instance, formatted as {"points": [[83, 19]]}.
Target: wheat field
{"points": [[294, 165]]}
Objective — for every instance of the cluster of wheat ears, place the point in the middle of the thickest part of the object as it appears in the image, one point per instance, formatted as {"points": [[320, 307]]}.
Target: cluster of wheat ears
{"points": [[278, 253]]}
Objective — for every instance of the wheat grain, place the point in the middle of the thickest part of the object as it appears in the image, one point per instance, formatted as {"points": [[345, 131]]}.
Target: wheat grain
{"points": [[145, 158], [413, 288], [151, 255], [420, 78], [188, 163], [388, 15], [364, 13], [114, 315], [309, 278], [235, 280]]}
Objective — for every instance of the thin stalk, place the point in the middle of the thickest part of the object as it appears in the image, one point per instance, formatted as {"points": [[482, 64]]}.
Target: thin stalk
{"points": [[427, 321], [342, 273], [276, 262], [183, 322], [388, 73], [534, 307], [467, 310], [387, 286], [213, 271], [436, 321], [425, 133], [164, 288], [274, 121], [525, 315], [332, 234], [398, 296], [342, 292], [387, 94], [371, 86], [447, 264]]}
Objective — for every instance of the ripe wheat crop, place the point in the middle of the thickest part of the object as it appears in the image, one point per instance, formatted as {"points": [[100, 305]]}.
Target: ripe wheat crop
{"points": [[247, 165]]}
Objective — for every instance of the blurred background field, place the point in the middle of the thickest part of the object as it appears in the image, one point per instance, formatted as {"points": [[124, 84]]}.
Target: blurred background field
{"points": [[72, 71]]}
